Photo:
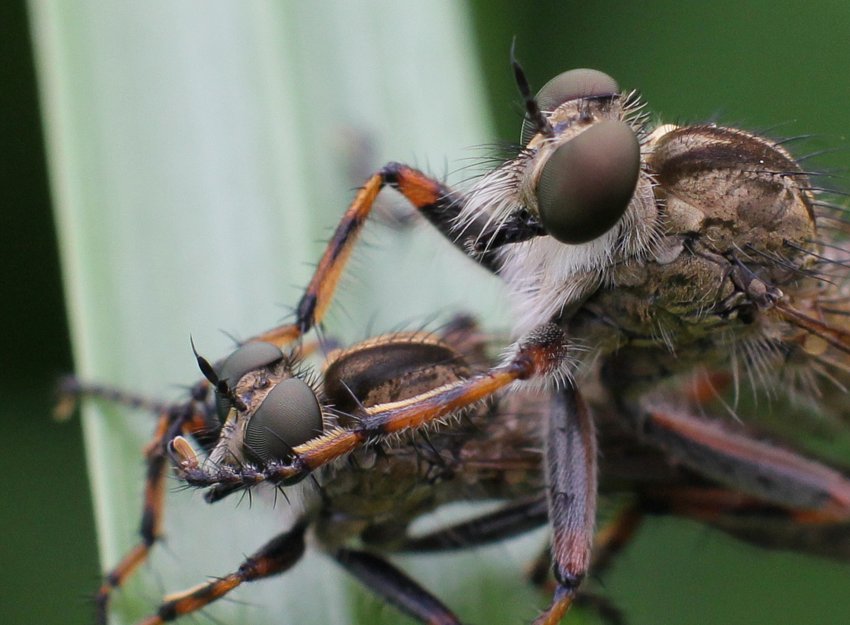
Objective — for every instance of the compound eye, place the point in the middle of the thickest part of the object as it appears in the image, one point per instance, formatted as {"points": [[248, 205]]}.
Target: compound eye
{"points": [[289, 416], [588, 182], [571, 85], [247, 357]]}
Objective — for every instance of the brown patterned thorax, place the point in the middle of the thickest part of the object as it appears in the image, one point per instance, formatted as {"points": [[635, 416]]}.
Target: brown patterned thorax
{"points": [[738, 229]]}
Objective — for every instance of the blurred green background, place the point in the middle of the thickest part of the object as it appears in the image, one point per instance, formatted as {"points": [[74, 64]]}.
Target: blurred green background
{"points": [[780, 67]]}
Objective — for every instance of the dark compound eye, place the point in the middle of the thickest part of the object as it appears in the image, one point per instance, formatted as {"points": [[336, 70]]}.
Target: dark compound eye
{"points": [[571, 85], [588, 182], [289, 416], [247, 357]]}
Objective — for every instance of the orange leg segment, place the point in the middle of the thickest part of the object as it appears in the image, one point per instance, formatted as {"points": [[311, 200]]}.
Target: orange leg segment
{"points": [[276, 556], [188, 418], [430, 197]]}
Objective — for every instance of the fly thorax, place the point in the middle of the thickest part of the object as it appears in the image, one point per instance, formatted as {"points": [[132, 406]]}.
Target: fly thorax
{"points": [[738, 232]]}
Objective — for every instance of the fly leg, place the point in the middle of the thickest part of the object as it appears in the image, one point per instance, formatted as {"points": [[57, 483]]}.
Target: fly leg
{"points": [[570, 469], [171, 422], [385, 580], [516, 519], [608, 542], [191, 418], [197, 417], [746, 465], [149, 530], [396, 587], [752, 520], [431, 198], [539, 574], [501, 524], [277, 556], [71, 391]]}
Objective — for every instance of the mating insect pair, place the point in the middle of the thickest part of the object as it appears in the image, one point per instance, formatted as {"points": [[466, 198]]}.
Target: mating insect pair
{"points": [[651, 268]]}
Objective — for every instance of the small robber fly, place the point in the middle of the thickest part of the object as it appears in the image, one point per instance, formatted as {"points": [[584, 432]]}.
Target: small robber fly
{"points": [[658, 272]]}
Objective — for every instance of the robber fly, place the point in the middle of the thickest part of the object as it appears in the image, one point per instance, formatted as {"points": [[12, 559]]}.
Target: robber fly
{"points": [[655, 271]]}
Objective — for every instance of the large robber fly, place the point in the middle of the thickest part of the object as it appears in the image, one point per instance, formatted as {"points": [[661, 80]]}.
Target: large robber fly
{"points": [[657, 272]]}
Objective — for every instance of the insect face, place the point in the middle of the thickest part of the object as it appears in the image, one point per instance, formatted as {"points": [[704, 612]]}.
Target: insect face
{"points": [[584, 161], [675, 238], [580, 178], [265, 408]]}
